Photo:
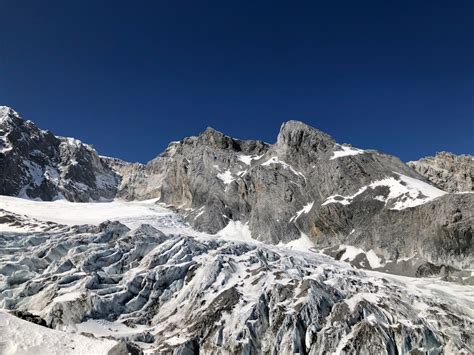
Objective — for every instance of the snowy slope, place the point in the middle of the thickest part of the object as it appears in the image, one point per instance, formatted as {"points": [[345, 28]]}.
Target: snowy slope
{"points": [[19, 337], [132, 214], [404, 192]]}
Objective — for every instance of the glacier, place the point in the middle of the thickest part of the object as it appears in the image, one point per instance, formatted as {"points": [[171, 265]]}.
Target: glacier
{"points": [[134, 276]]}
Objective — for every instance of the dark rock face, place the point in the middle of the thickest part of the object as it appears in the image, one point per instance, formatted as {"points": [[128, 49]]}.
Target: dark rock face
{"points": [[38, 165], [450, 172]]}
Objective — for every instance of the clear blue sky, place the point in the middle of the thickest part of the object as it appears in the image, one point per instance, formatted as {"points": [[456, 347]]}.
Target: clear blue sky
{"points": [[128, 77]]}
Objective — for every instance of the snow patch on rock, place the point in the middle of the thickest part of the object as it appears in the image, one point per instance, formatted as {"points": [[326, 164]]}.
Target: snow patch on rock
{"points": [[247, 159], [276, 160], [226, 177], [303, 243], [404, 192], [345, 151], [236, 230], [304, 210]]}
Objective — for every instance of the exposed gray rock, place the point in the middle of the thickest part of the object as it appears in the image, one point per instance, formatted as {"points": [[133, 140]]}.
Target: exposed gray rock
{"points": [[308, 184], [137, 180], [450, 172], [36, 164], [304, 185]]}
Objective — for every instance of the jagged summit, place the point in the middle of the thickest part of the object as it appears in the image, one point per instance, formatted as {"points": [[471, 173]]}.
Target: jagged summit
{"points": [[296, 128], [4, 110], [296, 138], [7, 114], [211, 131], [216, 139], [36, 164], [448, 171]]}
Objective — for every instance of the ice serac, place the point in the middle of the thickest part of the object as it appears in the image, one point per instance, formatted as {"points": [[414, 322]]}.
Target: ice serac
{"points": [[357, 197], [36, 164], [450, 172], [181, 294]]}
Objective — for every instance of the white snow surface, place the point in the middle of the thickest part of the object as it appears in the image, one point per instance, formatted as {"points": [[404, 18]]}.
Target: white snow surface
{"points": [[236, 230], [404, 192], [247, 159], [19, 337], [346, 151], [226, 177], [373, 259], [302, 244], [351, 252], [132, 214], [305, 210]]}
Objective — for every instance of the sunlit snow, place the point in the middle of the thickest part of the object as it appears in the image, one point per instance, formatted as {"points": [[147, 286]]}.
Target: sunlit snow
{"points": [[226, 177], [345, 151], [404, 192], [19, 337], [247, 159]]}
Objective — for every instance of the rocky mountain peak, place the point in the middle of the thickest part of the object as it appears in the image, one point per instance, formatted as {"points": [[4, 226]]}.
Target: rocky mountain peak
{"points": [[8, 116], [298, 136], [163, 286], [37, 164], [448, 171], [6, 110], [216, 139]]}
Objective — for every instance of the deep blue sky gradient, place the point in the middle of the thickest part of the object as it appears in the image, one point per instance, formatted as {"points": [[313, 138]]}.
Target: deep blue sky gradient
{"points": [[130, 76]]}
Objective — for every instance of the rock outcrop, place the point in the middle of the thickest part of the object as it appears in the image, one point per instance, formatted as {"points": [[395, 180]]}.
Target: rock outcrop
{"points": [[450, 172], [36, 164]]}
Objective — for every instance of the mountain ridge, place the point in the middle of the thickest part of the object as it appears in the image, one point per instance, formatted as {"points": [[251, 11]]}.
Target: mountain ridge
{"points": [[450, 172], [305, 186], [224, 246]]}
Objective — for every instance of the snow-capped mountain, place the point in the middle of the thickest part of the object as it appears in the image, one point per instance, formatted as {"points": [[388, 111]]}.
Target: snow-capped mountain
{"points": [[305, 188], [36, 164], [308, 188], [224, 246]]}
